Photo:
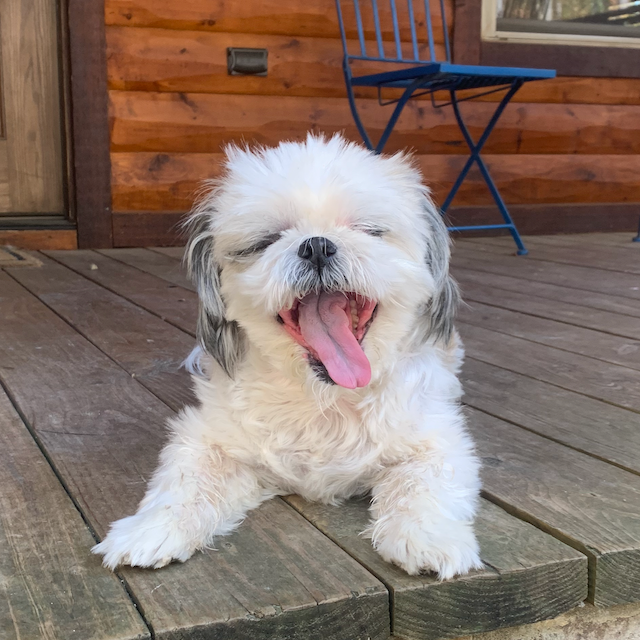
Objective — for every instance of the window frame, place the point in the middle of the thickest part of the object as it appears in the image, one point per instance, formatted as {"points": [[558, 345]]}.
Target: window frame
{"points": [[587, 60]]}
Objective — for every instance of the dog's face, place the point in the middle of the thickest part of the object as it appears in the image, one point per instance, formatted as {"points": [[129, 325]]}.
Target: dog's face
{"points": [[325, 258]]}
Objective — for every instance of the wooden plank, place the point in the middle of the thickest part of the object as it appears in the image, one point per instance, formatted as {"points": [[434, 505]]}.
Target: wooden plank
{"points": [[169, 302], [588, 503], [587, 342], [601, 380], [162, 266], [31, 107], [517, 295], [466, 268], [618, 240], [276, 577], [40, 239], [149, 181], [91, 182], [522, 564], [586, 255], [588, 425], [51, 587], [177, 253], [287, 18], [148, 227], [143, 59], [196, 62], [505, 594], [578, 421], [147, 348], [584, 278], [197, 122]]}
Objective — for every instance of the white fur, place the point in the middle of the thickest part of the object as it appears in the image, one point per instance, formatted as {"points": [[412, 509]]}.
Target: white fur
{"points": [[274, 428]]}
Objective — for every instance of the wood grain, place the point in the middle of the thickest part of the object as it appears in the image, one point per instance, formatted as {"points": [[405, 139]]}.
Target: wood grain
{"points": [[143, 59], [197, 122], [91, 186], [523, 567], [169, 302], [40, 239], [170, 181], [147, 348], [276, 577], [524, 562], [51, 587], [612, 383], [505, 292], [576, 420], [31, 103], [594, 256], [287, 18], [155, 263], [590, 504], [585, 278], [618, 240], [177, 253], [566, 337], [559, 290]]}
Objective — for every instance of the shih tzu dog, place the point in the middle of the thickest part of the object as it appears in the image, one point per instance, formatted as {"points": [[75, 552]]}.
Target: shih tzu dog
{"points": [[328, 362]]}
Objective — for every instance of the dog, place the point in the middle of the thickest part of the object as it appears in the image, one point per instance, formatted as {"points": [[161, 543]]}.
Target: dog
{"points": [[326, 364]]}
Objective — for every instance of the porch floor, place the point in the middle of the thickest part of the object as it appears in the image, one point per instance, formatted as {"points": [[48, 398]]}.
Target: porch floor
{"points": [[90, 347]]}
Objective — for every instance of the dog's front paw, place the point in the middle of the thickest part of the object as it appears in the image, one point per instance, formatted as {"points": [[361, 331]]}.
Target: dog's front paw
{"points": [[147, 539], [448, 548]]}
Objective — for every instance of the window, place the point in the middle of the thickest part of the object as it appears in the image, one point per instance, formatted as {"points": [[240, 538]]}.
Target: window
{"points": [[581, 22]]}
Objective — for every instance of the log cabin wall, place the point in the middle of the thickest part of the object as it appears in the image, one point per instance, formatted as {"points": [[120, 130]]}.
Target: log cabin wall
{"points": [[565, 154]]}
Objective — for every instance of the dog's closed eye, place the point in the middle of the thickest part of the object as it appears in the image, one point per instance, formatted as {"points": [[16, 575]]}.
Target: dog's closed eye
{"points": [[372, 230], [258, 247]]}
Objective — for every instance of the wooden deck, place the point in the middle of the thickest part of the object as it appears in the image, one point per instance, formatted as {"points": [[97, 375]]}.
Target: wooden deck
{"points": [[90, 346]]}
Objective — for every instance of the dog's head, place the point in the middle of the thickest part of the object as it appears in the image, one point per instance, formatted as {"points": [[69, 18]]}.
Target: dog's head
{"points": [[327, 259]]}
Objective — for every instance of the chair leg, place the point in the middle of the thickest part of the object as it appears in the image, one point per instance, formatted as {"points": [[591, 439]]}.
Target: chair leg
{"points": [[406, 96], [475, 158]]}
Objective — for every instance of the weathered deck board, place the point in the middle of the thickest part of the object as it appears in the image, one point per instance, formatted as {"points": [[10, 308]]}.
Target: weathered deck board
{"points": [[566, 337], [524, 566], [118, 328], [581, 278], [276, 577], [151, 262], [168, 301], [509, 581], [51, 587], [588, 503], [586, 255], [583, 423], [601, 380], [176, 253], [506, 292], [503, 279]]}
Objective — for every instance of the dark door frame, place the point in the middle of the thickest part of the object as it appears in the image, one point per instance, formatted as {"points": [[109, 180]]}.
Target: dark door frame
{"points": [[87, 121]]}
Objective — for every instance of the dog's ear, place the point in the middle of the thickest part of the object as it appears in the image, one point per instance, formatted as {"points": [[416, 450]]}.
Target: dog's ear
{"points": [[440, 312], [219, 337]]}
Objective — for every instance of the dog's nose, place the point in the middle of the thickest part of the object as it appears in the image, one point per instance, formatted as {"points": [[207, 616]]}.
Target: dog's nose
{"points": [[318, 251]]}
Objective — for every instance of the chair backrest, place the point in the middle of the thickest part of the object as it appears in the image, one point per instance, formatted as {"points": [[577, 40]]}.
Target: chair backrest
{"points": [[394, 30]]}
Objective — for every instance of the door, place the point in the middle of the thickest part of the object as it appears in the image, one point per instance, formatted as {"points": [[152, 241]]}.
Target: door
{"points": [[31, 155]]}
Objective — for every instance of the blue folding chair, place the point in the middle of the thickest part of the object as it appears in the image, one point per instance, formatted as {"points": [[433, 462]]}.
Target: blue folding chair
{"points": [[422, 73]]}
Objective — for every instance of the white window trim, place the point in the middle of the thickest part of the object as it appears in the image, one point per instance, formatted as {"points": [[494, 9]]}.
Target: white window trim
{"points": [[491, 34]]}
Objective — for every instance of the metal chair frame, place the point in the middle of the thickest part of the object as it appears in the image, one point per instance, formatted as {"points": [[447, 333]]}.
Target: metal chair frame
{"points": [[427, 77]]}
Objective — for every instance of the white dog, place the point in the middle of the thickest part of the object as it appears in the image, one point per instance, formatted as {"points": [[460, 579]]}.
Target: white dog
{"points": [[330, 362]]}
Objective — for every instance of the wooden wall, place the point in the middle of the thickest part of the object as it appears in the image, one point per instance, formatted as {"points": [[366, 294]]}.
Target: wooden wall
{"points": [[172, 106]]}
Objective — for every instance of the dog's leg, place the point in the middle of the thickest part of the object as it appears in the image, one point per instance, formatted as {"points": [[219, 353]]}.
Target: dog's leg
{"points": [[196, 493], [423, 507]]}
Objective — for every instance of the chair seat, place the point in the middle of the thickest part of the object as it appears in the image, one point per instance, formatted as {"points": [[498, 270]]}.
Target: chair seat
{"points": [[443, 75]]}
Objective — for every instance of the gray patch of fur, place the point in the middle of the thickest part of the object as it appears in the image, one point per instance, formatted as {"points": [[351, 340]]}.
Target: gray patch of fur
{"points": [[222, 339], [440, 312]]}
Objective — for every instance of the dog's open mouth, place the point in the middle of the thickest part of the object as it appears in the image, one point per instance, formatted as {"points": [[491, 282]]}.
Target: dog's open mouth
{"points": [[331, 326]]}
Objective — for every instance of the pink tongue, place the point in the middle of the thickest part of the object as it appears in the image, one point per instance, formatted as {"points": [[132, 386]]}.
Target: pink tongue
{"points": [[325, 323]]}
